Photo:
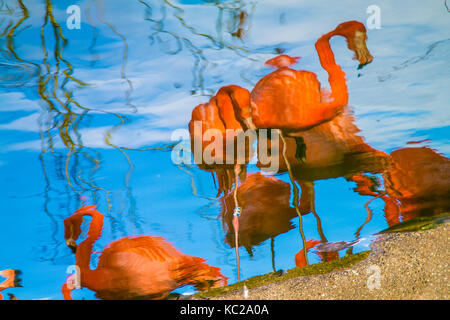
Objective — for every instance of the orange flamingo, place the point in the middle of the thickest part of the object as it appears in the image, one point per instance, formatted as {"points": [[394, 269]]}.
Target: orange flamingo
{"points": [[417, 184], [219, 114], [12, 281], [333, 149], [143, 267], [292, 100], [226, 111]]}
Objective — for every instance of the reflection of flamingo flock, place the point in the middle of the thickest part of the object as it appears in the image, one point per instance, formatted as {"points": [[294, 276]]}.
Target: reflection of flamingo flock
{"points": [[319, 140], [291, 101]]}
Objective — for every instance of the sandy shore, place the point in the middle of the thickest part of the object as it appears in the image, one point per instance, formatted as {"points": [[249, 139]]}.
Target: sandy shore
{"points": [[411, 265]]}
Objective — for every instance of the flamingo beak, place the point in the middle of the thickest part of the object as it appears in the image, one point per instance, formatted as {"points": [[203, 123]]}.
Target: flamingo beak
{"points": [[362, 54], [72, 245]]}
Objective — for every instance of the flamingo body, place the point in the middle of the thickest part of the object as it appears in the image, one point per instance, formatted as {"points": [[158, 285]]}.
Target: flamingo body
{"points": [[265, 201], [293, 100], [225, 113], [287, 99], [148, 267], [143, 267], [417, 183]]}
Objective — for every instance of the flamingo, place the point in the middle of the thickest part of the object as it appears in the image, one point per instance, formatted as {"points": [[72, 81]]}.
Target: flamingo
{"points": [[292, 100], [417, 184], [12, 280], [219, 114], [408, 194], [227, 110], [141, 267], [333, 149], [265, 201]]}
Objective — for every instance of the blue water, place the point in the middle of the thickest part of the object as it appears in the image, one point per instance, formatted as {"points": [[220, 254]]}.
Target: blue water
{"points": [[153, 63]]}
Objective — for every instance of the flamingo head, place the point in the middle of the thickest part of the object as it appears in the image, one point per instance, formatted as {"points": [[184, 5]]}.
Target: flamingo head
{"points": [[72, 230], [71, 244], [240, 101], [356, 36]]}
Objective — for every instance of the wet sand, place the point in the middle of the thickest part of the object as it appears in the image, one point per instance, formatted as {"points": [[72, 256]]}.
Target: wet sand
{"points": [[411, 265]]}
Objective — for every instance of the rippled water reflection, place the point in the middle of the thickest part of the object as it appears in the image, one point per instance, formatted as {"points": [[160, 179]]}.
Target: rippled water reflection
{"points": [[86, 116]]}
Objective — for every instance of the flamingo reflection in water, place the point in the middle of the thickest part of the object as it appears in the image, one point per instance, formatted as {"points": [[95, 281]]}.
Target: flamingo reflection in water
{"points": [[265, 202], [12, 281], [416, 184], [141, 267], [217, 121], [331, 150], [291, 101], [214, 149]]}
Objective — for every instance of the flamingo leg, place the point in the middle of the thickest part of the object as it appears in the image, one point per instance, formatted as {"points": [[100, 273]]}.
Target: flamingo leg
{"points": [[236, 214], [369, 216], [300, 151], [272, 250], [296, 194], [313, 210]]}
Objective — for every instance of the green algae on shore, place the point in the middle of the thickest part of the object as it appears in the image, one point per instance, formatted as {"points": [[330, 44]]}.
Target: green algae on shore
{"points": [[315, 269]]}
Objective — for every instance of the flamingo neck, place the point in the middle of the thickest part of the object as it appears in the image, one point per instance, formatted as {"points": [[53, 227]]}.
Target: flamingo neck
{"points": [[66, 291], [84, 249], [336, 77]]}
